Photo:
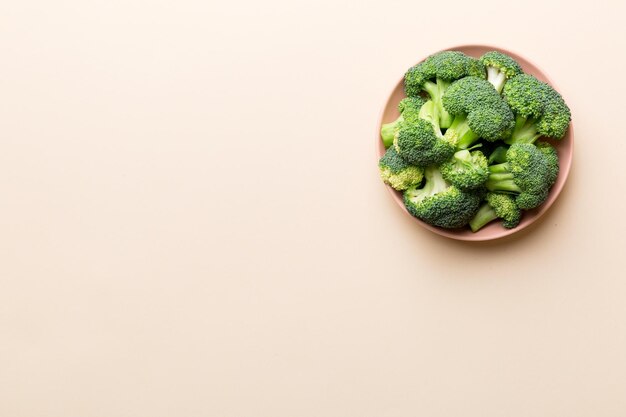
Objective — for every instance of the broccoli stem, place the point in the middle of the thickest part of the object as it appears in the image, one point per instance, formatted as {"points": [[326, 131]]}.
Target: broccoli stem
{"points": [[485, 214], [505, 176], [503, 186], [435, 183], [501, 179], [525, 131], [496, 77], [503, 167], [436, 92], [498, 155], [430, 112], [459, 134], [388, 131]]}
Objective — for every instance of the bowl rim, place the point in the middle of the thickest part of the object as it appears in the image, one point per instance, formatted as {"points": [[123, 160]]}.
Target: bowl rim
{"points": [[477, 237]]}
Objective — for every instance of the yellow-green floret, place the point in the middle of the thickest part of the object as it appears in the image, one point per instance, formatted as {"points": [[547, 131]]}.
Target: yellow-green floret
{"points": [[466, 170], [398, 173]]}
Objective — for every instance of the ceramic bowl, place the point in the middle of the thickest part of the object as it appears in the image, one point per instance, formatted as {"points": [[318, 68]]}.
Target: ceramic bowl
{"points": [[494, 230]]}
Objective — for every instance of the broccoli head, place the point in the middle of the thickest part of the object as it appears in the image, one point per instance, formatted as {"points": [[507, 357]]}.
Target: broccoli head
{"points": [[439, 203], [435, 74], [396, 172], [420, 145], [500, 67], [497, 206], [552, 158], [527, 174], [539, 110], [409, 110], [479, 112], [466, 170]]}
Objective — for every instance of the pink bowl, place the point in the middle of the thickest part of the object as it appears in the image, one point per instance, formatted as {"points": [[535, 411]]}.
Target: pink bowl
{"points": [[494, 230]]}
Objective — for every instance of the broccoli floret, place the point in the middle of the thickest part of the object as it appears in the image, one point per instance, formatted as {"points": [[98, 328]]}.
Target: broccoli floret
{"points": [[421, 143], [398, 173], [500, 67], [439, 203], [479, 112], [527, 174], [435, 74], [539, 110], [556, 116], [475, 68], [466, 170], [552, 158], [497, 206], [409, 110]]}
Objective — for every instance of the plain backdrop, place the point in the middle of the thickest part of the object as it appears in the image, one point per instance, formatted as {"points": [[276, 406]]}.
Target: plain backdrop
{"points": [[192, 223]]}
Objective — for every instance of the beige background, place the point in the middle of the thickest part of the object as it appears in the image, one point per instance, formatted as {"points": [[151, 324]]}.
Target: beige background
{"points": [[193, 225]]}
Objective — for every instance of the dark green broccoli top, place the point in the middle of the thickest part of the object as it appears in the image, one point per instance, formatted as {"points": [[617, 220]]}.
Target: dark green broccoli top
{"points": [[480, 112], [527, 173], [440, 204], [539, 109], [419, 144]]}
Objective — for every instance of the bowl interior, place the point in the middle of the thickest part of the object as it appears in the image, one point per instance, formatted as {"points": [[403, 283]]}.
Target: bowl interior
{"points": [[494, 230]]}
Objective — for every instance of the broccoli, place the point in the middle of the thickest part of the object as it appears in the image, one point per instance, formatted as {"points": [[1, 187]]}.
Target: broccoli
{"points": [[466, 170], [409, 110], [552, 158], [456, 104], [421, 143], [498, 155], [435, 74], [439, 203], [500, 67], [479, 112], [527, 173], [497, 206], [396, 172], [539, 110]]}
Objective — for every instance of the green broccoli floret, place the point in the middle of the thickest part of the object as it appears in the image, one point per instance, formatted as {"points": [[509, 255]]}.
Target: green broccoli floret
{"points": [[398, 173], [527, 173], [435, 74], [439, 203], [466, 170], [480, 112], [421, 143], [497, 206], [409, 110], [556, 116], [539, 110], [552, 158], [475, 68], [500, 67]]}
